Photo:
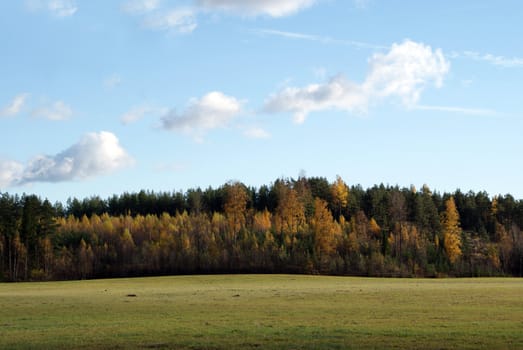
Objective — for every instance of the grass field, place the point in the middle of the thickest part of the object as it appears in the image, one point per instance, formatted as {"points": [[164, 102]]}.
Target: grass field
{"points": [[263, 311]]}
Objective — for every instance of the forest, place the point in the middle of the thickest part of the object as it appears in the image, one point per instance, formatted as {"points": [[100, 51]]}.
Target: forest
{"points": [[306, 225]]}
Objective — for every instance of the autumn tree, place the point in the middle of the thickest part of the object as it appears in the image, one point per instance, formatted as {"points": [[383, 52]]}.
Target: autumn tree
{"points": [[374, 228], [289, 226], [451, 231], [262, 222], [236, 198], [126, 247], [85, 259], [408, 247], [204, 242], [340, 195], [325, 231], [290, 214]]}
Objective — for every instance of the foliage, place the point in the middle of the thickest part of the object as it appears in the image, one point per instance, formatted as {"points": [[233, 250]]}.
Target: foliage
{"points": [[451, 231], [306, 225]]}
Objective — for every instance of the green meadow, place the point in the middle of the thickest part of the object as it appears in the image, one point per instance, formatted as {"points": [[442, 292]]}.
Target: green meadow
{"points": [[263, 311]]}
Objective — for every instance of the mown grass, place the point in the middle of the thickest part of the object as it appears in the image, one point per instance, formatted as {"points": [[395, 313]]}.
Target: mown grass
{"points": [[263, 311]]}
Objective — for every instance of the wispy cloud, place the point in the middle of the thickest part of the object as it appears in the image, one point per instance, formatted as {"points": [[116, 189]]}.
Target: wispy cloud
{"points": [[272, 8], [62, 8], [459, 110], [183, 19], [214, 110], [153, 16], [140, 6], [179, 20], [318, 38], [58, 8], [15, 106], [401, 73], [496, 60], [94, 155], [139, 112], [55, 111]]}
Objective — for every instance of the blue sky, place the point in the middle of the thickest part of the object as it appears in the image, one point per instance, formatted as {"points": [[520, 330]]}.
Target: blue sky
{"points": [[102, 97]]}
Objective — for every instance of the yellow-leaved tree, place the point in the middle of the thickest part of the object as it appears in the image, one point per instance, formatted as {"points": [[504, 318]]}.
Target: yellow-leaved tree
{"points": [[340, 194], [374, 228], [289, 218], [451, 231], [324, 228], [235, 205], [326, 232]]}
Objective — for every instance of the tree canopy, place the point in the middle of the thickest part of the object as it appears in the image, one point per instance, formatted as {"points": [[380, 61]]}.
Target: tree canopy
{"points": [[304, 225]]}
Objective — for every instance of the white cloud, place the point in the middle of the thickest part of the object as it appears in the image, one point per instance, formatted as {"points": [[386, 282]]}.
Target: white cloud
{"points": [[273, 8], [55, 111], [140, 6], [15, 106], [405, 70], [95, 154], [338, 93], [180, 20], [214, 110], [10, 172], [401, 73], [256, 133]]}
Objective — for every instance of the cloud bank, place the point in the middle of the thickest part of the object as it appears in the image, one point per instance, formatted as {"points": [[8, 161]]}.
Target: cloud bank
{"points": [[402, 73], [214, 110], [95, 154]]}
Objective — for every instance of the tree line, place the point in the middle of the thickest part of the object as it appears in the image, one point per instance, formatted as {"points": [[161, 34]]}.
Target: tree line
{"points": [[304, 225]]}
